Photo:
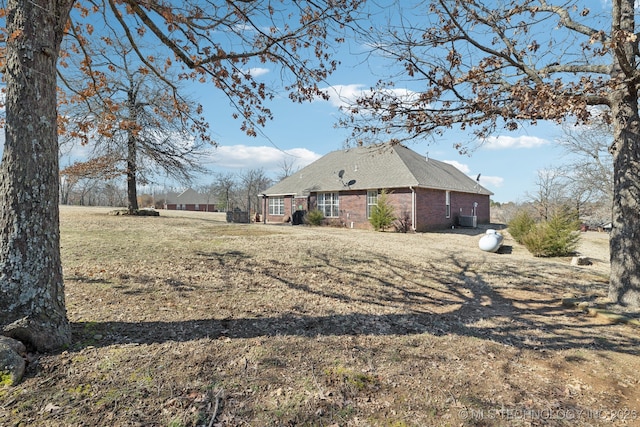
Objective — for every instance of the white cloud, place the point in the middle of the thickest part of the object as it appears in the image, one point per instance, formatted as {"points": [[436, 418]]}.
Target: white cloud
{"points": [[485, 181], [345, 95], [506, 142], [460, 166], [268, 158], [258, 71], [491, 181]]}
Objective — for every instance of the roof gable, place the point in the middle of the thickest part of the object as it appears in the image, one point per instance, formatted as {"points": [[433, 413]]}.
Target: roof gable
{"points": [[376, 166]]}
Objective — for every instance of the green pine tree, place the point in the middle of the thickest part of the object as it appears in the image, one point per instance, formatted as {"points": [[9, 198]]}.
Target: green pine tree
{"points": [[382, 214]]}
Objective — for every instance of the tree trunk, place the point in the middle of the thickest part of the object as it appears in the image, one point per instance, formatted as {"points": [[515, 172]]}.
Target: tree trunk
{"points": [[31, 284], [624, 287], [132, 153], [132, 192]]}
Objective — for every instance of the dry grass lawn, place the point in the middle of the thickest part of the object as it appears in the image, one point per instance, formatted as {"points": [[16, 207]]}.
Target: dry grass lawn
{"points": [[184, 320]]}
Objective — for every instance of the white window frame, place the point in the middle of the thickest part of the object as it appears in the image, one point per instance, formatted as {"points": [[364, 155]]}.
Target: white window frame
{"points": [[276, 206], [372, 200], [329, 204], [447, 203]]}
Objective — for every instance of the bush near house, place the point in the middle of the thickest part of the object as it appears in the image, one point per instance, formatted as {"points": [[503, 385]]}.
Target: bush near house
{"points": [[403, 222], [314, 217], [382, 214]]}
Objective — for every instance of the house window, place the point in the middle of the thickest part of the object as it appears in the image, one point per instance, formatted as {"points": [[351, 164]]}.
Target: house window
{"points": [[372, 200], [328, 204], [276, 205], [197, 207], [447, 203]]}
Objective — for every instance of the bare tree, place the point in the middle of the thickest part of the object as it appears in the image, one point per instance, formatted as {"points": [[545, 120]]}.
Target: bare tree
{"points": [[225, 188], [114, 194], [209, 193], [286, 169], [584, 182], [130, 114], [590, 168], [482, 66], [549, 196], [252, 183], [216, 42], [82, 178]]}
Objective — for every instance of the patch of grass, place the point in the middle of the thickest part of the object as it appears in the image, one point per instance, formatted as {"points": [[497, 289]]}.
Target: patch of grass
{"points": [[82, 390], [140, 378], [6, 379], [176, 423], [109, 397], [358, 380]]}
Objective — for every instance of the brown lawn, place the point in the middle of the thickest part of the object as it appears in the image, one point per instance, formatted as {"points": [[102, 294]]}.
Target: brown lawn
{"points": [[184, 320]]}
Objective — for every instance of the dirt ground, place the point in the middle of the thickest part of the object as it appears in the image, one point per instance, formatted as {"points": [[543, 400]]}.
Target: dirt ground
{"points": [[184, 320]]}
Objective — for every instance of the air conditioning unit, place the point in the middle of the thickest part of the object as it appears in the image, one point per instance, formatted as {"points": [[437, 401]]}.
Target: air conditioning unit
{"points": [[468, 221]]}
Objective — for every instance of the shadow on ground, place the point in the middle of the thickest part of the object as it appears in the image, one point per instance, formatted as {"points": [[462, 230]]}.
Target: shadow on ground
{"points": [[515, 304]]}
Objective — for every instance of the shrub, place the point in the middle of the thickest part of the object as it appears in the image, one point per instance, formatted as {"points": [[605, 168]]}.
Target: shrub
{"points": [[534, 240], [563, 234], [382, 215], [521, 225], [335, 222], [557, 237], [403, 222], [314, 217]]}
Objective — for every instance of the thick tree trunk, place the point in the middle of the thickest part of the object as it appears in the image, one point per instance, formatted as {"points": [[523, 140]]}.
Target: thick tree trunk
{"points": [[132, 191], [132, 154], [624, 287], [31, 284]]}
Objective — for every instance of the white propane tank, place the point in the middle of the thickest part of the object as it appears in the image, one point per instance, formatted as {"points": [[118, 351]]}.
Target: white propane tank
{"points": [[491, 241]]}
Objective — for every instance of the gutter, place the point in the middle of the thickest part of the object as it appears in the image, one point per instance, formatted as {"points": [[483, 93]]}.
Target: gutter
{"points": [[413, 208], [279, 194]]}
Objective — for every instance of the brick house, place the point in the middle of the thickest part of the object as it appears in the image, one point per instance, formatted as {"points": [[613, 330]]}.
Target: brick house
{"points": [[189, 200], [345, 185]]}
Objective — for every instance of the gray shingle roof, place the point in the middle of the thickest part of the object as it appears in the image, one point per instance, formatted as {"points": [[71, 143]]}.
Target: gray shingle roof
{"points": [[375, 167], [188, 197]]}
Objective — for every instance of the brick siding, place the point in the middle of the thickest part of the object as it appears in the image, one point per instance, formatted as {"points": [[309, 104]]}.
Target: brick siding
{"points": [[430, 208], [191, 207]]}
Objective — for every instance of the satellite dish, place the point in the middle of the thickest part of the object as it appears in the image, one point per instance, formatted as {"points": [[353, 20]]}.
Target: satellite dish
{"points": [[341, 173], [350, 183]]}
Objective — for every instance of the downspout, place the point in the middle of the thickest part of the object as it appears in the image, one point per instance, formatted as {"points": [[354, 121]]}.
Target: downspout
{"points": [[413, 208]]}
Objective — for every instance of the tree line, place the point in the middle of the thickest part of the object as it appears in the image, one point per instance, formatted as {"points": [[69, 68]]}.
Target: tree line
{"points": [[227, 191]]}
